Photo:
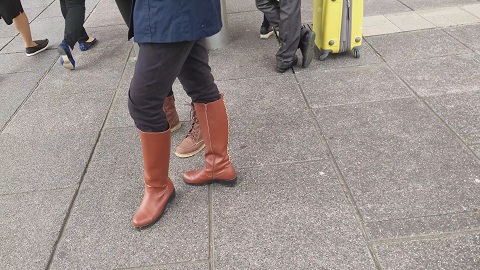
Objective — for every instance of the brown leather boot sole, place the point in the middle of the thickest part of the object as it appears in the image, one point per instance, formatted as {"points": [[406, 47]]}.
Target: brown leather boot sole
{"points": [[228, 183], [170, 199]]}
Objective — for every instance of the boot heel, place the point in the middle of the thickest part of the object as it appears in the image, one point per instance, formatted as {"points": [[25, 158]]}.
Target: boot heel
{"points": [[229, 183], [172, 196]]}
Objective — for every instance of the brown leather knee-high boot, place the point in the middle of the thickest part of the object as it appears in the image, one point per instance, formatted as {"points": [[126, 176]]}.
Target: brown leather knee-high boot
{"points": [[159, 188], [214, 126]]}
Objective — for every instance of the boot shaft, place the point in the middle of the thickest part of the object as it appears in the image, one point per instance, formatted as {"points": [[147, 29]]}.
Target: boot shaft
{"points": [[214, 127], [156, 157]]}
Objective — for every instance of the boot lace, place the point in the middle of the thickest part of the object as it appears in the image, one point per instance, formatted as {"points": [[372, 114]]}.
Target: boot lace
{"points": [[194, 131]]}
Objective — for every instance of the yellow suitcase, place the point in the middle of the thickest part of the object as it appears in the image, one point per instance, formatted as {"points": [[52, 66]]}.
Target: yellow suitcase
{"points": [[338, 25]]}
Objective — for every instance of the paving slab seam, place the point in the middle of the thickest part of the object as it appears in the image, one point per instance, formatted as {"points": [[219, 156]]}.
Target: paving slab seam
{"points": [[28, 96], [425, 237], [461, 42], [155, 266], [345, 188], [473, 211], [425, 103], [401, 2], [279, 164], [72, 202], [211, 221]]}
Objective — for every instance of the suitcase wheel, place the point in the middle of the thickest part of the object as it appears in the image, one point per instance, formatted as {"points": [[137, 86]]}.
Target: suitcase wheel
{"points": [[356, 53], [323, 56]]}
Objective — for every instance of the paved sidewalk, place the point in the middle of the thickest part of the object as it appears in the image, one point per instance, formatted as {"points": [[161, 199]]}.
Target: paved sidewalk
{"points": [[369, 163]]}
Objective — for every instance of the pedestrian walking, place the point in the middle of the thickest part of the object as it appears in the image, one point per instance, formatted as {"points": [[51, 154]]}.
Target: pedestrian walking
{"points": [[171, 37], [73, 12], [285, 16], [11, 11]]}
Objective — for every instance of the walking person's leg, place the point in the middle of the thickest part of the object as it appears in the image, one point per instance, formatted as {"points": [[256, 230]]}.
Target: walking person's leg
{"points": [[84, 41], [156, 69], [12, 12], [198, 81], [290, 25]]}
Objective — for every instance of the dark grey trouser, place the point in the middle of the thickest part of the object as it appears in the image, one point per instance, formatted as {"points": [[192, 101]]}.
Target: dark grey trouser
{"points": [[157, 66], [285, 16]]}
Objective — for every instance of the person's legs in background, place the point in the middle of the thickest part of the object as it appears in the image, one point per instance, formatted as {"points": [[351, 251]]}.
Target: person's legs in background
{"points": [[285, 15], [12, 12], [84, 41]]}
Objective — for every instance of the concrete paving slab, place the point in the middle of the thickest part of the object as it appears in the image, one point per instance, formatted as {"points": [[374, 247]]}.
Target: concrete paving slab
{"points": [[52, 10], [29, 227], [284, 138], [15, 88], [334, 61], [106, 13], [408, 21], [379, 7], [352, 85], [473, 9], [467, 34], [441, 75], [233, 6], [107, 60], [450, 16], [48, 143], [451, 252], [247, 55], [19, 62], [99, 234], [7, 30], [460, 111], [256, 95], [286, 217], [4, 41], [202, 265], [400, 161], [378, 25], [427, 4], [422, 226], [476, 148], [307, 11], [421, 44]]}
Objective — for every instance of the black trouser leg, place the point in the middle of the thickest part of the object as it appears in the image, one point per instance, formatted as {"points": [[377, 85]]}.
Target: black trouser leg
{"points": [[284, 15], [125, 8], [74, 13], [157, 67]]}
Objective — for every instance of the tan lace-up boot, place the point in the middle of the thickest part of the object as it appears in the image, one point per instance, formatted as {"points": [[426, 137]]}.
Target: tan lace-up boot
{"points": [[193, 142], [171, 113]]}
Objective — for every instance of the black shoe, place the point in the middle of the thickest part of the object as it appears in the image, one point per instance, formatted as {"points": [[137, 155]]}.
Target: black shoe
{"points": [[284, 66], [41, 46], [266, 31], [307, 45]]}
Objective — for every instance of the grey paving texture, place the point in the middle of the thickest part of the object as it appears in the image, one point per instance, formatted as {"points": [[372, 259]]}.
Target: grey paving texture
{"points": [[368, 163]]}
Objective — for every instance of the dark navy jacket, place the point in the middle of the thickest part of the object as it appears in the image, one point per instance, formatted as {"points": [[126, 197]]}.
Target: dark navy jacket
{"points": [[166, 21]]}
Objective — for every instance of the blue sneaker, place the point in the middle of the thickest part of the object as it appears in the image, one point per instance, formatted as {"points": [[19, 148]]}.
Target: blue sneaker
{"points": [[66, 58], [84, 46]]}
